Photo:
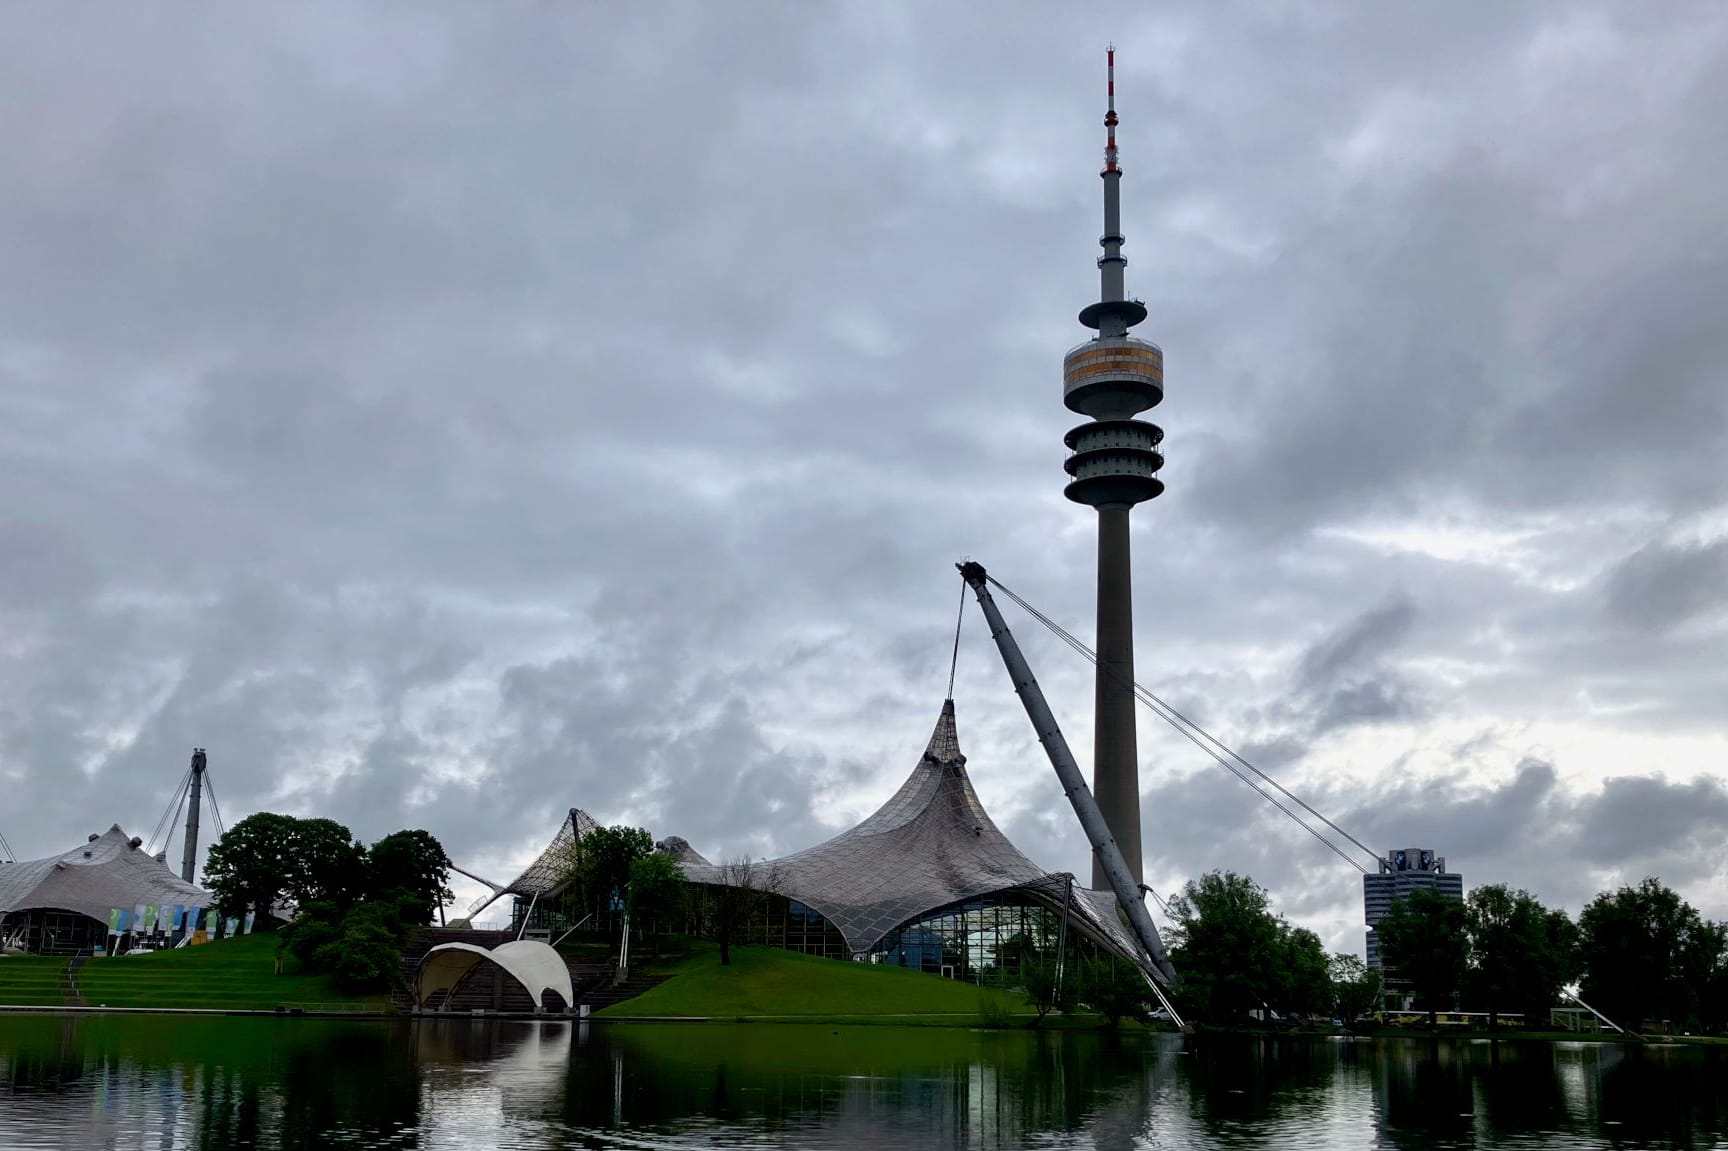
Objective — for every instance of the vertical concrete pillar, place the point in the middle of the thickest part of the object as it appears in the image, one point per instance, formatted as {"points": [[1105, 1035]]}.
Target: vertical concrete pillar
{"points": [[1115, 758]]}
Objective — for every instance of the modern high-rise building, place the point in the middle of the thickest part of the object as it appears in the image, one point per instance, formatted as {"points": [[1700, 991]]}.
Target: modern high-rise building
{"points": [[1114, 465], [1401, 872]]}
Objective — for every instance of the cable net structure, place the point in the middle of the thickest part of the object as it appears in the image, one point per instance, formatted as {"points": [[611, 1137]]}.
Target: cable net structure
{"points": [[931, 845]]}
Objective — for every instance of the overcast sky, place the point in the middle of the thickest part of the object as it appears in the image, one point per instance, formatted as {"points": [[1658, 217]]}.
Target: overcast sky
{"points": [[449, 415]]}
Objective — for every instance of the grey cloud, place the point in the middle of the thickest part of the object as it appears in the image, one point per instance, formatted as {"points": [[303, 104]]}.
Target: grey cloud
{"points": [[1365, 638], [1367, 701], [448, 418], [1661, 585], [1638, 817]]}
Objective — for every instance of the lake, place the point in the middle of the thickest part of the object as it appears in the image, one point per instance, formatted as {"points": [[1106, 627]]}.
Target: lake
{"points": [[163, 1083]]}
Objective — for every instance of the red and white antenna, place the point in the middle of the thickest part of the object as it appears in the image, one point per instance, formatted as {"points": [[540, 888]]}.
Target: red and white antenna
{"points": [[1110, 114]]}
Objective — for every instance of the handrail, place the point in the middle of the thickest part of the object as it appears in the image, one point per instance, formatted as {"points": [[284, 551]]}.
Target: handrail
{"points": [[1128, 340]]}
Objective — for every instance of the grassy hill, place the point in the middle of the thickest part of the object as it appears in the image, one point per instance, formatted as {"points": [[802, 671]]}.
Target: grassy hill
{"points": [[228, 974], [769, 983], [30, 980]]}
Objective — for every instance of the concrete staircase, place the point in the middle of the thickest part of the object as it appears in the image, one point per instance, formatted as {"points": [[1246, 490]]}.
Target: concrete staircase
{"points": [[632, 986], [424, 939], [69, 980]]}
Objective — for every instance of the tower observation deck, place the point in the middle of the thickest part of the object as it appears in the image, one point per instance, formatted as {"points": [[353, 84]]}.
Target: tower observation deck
{"points": [[1113, 464]]}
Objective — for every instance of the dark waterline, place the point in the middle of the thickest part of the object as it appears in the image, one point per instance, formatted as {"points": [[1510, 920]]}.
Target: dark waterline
{"points": [[169, 1083]]}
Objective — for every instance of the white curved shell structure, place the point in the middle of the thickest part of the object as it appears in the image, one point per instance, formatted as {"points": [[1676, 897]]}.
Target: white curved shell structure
{"points": [[536, 966]]}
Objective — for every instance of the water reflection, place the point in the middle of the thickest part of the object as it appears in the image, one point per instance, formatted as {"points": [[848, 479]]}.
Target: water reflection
{"points": [[170, 1083], [850, 1086]]}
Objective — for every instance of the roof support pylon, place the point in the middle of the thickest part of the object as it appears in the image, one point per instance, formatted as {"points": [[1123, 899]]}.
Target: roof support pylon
{"points": [[1104, 847]]}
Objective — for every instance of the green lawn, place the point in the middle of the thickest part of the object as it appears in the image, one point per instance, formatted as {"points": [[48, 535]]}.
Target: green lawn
{"points": [[767, 982], [230, 973], [30, 980]]}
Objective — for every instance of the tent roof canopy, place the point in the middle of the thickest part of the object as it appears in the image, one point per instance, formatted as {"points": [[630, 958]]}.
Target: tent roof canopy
{"points": [[107, 872], [931, 845]]}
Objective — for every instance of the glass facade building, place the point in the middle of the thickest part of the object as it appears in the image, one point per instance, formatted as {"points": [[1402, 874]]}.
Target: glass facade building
{"points": [[1401, 872]]}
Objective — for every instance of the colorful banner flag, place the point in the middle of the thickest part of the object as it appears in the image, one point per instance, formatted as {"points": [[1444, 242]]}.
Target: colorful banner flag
{"points": [[210, 921], [116, 921], [250, 916], [148, 923], [179, 919], [229, 927], [125, 919], [138, 917]]}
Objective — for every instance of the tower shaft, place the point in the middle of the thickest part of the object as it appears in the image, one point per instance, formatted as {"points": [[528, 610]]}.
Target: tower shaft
{"points": [[1115, 758], [194, 801]]}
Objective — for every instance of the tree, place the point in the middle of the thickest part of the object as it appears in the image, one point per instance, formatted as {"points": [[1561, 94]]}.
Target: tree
{"points": [[410, 867], [328, 863], [1115, 990], [1520, 952], [1355, 986], [360, 945], [267, 859], [1422, 937], [1562, 942], [1304, 981], [598, 866], [1705, 970], [657, 892], [316, 925], [1048, 986], [744, 885], [366, 955], [253, 865], [1633, 945], [1227, 945]]}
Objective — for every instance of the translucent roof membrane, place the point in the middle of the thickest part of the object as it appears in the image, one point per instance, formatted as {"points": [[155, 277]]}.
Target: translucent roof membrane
{"points": [[546, 874], [932, 844], [92, 878]]}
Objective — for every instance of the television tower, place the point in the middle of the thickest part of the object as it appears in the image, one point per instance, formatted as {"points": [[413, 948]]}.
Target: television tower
{"points": [[1114, 463]]}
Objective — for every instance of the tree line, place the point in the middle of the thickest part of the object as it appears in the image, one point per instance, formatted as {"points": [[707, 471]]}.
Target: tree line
{"points": [[1640, 954], [613, 871], [351, 906]]}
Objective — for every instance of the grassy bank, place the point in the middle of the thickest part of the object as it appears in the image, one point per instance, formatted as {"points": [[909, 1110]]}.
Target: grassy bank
{"points": [[765, 983], [231, 974], [30, 981]]}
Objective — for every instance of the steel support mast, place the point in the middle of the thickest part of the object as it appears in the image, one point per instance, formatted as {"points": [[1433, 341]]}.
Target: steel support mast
{"points": [[195, 799], [1105, 851]]}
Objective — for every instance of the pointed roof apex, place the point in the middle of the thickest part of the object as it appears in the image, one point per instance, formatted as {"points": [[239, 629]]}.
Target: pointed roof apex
{"points": [[944, 741]]}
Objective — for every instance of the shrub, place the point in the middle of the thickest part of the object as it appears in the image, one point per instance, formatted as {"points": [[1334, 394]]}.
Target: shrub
{"points": [[1115, 991]]}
